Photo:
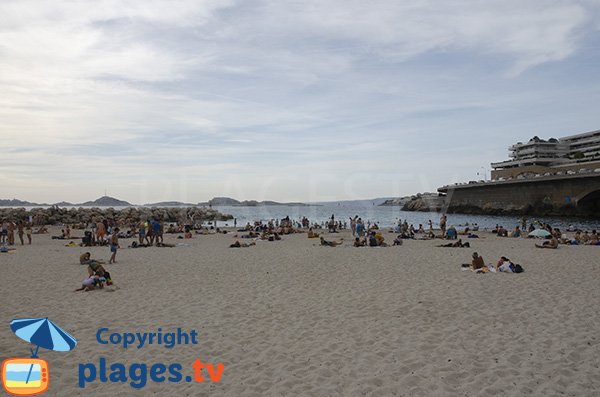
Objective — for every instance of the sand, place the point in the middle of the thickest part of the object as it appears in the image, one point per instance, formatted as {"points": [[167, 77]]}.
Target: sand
{"points": [[292, 318]]}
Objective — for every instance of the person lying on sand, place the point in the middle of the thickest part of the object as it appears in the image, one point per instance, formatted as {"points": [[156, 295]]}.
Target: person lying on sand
{"points": [[505, 265], [237, 244], [458, 244], [552, 243], [250, 234], [331, 243], [63, 236]]}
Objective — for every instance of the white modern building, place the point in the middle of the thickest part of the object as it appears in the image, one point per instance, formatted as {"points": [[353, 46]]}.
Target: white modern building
{"points": [[570, 153]]}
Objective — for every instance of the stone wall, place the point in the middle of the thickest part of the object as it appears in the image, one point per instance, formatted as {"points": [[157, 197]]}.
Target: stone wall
{"points": [[557, 195]]}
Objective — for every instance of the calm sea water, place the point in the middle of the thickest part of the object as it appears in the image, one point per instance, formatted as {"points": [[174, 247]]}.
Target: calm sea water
{"points": [[385, 216]]}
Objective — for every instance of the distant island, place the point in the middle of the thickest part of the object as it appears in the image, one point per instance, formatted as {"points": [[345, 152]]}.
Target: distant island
{"points": [[104, 201], [227, 201], [18, 203], [107, 201], [170, 204]]}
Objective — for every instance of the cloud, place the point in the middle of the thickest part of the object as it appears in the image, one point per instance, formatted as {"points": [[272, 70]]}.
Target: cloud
{"points": [[273, 89]]}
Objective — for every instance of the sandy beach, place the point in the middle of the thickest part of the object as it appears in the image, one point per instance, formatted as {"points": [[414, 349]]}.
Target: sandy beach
{"points": [[292, 318]]}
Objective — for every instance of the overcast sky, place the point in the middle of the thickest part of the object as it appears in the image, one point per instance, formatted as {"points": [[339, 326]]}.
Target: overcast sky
{"points": [[283, 100]]}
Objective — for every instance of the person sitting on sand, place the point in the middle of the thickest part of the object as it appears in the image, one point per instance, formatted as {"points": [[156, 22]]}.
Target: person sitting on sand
{"points": [[94, 266], [312, 234], [585, 237], [331, 243], [477, 262], [397, 240], [237, 244], [451, 233], [516, 232], [501, 232], [552, 243], [576, 240], [593, 239], [380, 239], [358, 242]]}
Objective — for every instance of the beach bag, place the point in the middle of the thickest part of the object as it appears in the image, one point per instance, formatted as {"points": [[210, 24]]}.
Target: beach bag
{"points": [[519, 268]]}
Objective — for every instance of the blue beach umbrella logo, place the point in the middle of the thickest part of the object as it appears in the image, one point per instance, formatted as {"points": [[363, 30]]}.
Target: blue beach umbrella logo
{"points": [[30, 376], [42, 332]]}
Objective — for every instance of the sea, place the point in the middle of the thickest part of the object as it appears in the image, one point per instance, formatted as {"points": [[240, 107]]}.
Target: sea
{"points": [[384, 216], [389, 216]]}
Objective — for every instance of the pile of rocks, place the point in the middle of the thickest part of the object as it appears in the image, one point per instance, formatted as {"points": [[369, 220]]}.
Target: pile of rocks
{"points": [[128, 216]]}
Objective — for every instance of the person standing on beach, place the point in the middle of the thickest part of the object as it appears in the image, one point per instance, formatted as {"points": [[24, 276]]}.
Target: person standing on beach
{"points": [[443, 224], [149, 232], [28, 232], [3, 231], [114, 245], [100, 232], [157, 230], [359, 227], [142, 232], [20, 231], [10, 227]]}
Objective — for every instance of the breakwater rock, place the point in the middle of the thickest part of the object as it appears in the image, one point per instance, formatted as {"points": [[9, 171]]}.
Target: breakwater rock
{"points": [[424, 203], [126, 216]]}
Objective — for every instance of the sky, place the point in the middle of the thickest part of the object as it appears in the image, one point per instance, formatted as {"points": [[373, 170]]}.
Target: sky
{"points": [[283, 100]]}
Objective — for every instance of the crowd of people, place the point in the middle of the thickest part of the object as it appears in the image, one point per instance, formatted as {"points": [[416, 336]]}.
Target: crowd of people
{"points": [[150, 233], [9, 227]]}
